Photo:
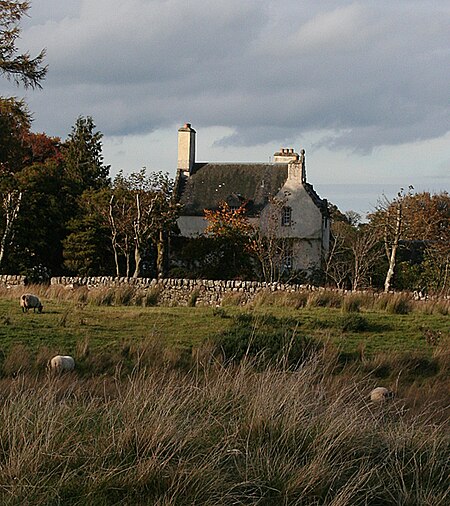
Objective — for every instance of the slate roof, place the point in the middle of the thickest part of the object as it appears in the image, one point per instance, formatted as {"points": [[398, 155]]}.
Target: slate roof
{"points": [[212, 183], [235, 183]]}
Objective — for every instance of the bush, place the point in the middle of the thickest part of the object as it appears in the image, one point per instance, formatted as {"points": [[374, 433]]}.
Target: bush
{"points": [[37, 275], [354, 323], [269, 338]]}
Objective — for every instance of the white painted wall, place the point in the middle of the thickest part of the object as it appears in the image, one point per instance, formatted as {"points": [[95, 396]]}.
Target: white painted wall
{"points": [[308, 229]]}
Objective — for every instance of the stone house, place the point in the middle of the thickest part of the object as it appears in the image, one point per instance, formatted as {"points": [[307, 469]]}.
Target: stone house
{"points": [[276, 195]]}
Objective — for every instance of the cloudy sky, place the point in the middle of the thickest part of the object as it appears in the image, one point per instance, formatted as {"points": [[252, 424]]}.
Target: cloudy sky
{"points": [[362, 86]]}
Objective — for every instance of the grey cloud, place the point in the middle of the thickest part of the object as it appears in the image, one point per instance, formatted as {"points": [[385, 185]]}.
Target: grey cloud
{"points": [[374, 72]]}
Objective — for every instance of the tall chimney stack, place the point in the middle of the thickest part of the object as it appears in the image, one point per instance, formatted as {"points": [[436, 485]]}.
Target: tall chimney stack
{"points": [[186, 149]]}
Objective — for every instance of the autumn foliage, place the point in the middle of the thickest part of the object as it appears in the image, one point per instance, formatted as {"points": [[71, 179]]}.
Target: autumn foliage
{"points": [[228, 222]]}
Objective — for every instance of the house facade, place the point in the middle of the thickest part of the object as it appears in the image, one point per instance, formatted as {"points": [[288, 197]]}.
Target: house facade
{"points": [[276, 195]]}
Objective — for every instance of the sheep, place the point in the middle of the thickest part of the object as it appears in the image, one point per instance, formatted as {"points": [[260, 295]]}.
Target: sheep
{"points": [[30, 301], [381, 394], [62, 363]]}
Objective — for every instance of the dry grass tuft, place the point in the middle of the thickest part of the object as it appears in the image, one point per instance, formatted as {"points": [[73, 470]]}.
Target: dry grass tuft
{"points": [[233, 299], [17, 360], [324, 298], [395, 303]]}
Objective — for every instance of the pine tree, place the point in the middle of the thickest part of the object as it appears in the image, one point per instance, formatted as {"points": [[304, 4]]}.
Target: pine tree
{"points": [[21, 68]]}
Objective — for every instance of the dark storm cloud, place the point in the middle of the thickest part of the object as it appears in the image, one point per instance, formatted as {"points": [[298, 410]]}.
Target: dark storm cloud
{"points": [[373, 72]]}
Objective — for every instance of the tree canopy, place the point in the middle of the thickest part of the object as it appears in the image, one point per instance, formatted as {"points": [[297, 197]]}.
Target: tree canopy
{"points": [[19, 67]]}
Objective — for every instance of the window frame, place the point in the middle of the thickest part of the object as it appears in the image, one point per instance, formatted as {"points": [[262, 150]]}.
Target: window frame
{"points": [[286, 216]]}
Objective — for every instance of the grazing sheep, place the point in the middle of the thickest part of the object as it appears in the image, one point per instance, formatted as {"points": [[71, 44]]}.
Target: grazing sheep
{"points": [[30, 301], [62, 363], [381, 394]]}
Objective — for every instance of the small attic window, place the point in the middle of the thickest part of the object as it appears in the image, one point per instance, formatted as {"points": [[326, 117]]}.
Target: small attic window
{"points": [[286, 216], [235, 201]]}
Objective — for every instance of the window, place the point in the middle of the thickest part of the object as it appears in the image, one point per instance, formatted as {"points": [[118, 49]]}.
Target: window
{"points": [[286, 216], [288, 258]]}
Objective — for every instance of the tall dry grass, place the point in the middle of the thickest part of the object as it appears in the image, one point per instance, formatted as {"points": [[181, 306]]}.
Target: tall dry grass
{"points": [[215, 436], [125, 295], [129, 295]]}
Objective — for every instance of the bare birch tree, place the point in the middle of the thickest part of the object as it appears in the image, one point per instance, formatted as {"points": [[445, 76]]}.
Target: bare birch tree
{"points": [[389, 218], [141, 213], [365, 252], [338, 262], [11, 201]]}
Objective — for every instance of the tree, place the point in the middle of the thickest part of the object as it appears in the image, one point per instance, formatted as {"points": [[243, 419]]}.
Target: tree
{"points": [[365, 252], [230, 235], [11, 201], [30, 181], [18, 67], [338, 262], [389, 220], [86, 250], [271, 244], [120, 219], [427, 236], [354, 250], [127, 222], [83, 157], [417, 227], [14, 123], [41, 225], [154, 214]]}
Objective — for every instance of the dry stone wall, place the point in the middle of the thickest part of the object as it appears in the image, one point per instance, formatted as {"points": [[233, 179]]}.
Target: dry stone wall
{"points": [[185, 291], [12, 280]]}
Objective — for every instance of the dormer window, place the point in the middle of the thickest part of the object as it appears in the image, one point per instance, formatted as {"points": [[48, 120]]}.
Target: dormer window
{"points": [[286, 216]]}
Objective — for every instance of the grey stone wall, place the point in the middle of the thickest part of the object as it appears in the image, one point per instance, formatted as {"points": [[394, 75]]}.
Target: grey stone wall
{"points": [[185, 291], [12, 280], [188, 291]]}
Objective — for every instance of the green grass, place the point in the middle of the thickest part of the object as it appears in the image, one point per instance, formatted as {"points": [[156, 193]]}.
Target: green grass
{"points": [[64, 323]]}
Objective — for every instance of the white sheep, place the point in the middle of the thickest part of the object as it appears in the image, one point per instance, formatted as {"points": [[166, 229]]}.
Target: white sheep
{"points": [[30, 301], [381, 394], [62, 363]]}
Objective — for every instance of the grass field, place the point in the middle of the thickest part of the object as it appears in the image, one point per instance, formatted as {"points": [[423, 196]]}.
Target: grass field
{"points": [[64, 324], [264, 404]]}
